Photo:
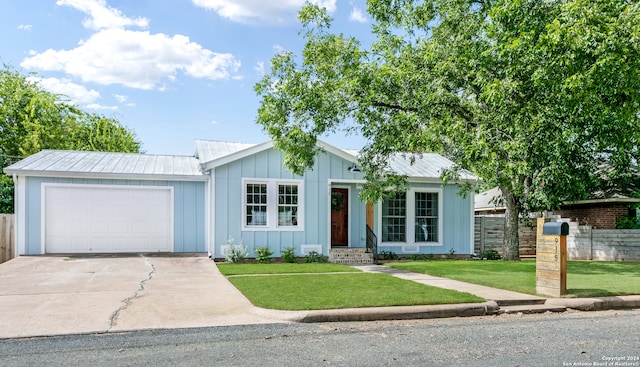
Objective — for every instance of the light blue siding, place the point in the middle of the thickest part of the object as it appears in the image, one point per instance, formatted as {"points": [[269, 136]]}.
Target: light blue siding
{"points": [[456, 223], [268, 165], [189, 210], [456, 209]]}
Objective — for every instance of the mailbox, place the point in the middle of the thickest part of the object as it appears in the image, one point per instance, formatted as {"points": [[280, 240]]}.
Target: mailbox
{"points": [[555, 229]]}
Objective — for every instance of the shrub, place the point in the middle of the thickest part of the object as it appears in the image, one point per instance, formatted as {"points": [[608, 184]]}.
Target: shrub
{"points": [[314, 257], [387, 255], [235, 254], [431, 256], [264, 254], [491, 255], [627, 223], [451, 254], [289, 254]]}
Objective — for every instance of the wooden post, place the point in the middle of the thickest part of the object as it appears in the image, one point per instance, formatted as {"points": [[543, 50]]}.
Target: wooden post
{"points": [[551, 258]]}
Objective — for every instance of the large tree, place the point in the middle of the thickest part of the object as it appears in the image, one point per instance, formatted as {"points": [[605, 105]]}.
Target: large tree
{"points": [[533, 96], [32, 119]]}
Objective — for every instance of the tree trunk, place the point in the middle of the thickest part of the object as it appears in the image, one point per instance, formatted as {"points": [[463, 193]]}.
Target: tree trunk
{"points": [[511, 244]]}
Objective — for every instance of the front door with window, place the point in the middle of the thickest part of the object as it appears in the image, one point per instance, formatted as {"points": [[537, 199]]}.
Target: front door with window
{"points": [[339, 217]]}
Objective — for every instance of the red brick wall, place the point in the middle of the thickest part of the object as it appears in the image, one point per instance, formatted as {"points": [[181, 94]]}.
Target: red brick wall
{"points": [[599, 216]]}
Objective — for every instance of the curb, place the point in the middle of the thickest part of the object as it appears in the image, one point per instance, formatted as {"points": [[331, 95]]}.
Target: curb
{"points": [[596, 303], [384, 313]]}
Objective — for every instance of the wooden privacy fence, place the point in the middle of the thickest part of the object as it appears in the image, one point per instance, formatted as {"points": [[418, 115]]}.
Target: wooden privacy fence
{"points": [[586, 243], [6, 237], [489, 234]]}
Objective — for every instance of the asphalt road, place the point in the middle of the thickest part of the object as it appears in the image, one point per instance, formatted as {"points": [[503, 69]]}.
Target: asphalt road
{"points": [[606, 338]]}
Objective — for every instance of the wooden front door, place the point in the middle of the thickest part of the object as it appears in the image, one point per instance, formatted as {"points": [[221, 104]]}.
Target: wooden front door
{"points": [[339, 217]]}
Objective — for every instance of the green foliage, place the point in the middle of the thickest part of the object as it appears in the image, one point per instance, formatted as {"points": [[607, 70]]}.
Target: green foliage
{"points": [[314, 257], [491, 255], [6, 194], [289, 254], [264, 254], [628, 223], [32, 119], [387, 255], [235, 254], [451, 254], [533, 97]]}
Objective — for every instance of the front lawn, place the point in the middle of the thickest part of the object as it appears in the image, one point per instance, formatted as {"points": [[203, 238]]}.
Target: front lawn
{"points": [[283, 268], [584, 278], [305, 291]]}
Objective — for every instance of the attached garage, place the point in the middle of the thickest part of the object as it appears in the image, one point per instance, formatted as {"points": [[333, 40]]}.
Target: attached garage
{"points": [[97, 202], [107, 218]]}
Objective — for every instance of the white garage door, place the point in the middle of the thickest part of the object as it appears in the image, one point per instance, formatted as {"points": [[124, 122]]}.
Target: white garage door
{"points": [[107, 218]]}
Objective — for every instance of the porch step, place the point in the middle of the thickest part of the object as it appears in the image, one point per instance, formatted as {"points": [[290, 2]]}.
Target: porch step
{"points": [[350, 256]]}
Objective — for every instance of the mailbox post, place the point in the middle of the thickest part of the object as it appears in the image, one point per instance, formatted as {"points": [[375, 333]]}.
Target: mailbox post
{"points": [[551, 259]]}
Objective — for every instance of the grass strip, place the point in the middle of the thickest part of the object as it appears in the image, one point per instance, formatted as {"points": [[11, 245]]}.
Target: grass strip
{"points": [[332, 291], [584, 278]]}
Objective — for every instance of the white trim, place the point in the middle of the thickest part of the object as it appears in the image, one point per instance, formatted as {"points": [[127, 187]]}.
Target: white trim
{"points": [[472, 224], [338, 152], [209, 199], [272, 204], [411, 219], [237, 155], [20, 202], [112, 176], [349, 209], [45, 185]]}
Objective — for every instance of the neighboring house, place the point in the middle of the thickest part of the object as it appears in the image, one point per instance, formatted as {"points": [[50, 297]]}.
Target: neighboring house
{"points": [[602, 211], [92, 202]]}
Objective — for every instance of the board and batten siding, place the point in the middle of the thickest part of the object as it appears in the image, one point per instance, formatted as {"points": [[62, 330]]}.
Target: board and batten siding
{"points": [[268, 165], [456, 224], [189, 210]]}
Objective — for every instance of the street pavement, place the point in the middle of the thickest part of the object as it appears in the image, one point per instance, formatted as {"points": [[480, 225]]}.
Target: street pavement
{"points": [[56, 295]]}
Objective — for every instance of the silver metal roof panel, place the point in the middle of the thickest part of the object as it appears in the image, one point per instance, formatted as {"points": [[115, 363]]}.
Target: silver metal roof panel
{"points": [[105, 163]]}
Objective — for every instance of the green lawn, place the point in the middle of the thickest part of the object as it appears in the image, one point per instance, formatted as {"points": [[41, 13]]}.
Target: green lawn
{"points": [[283, 290], [584, 278], [283, 268]]}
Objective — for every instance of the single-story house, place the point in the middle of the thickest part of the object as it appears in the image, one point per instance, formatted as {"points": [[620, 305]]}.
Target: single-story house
{"points": [[96, 202]]}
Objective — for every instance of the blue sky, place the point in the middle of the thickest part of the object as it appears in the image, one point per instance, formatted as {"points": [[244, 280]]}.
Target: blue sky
{"points": [[171, 70]]}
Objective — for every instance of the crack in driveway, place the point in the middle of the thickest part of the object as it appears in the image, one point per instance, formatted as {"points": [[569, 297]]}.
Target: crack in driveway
{"points": [[113, 320]]}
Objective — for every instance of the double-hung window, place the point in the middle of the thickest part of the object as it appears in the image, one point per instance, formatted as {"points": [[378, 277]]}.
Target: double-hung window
{"points": [[271, 204], [412, 217]]}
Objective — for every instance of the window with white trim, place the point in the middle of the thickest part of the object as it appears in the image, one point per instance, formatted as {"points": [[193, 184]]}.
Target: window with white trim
{"points": [[413, 217], [394, 218], [426, 210], [272, 204]]}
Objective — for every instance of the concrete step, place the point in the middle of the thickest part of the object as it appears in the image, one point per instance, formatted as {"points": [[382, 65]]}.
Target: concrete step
{"points": [[529, 309], [350, 256]]}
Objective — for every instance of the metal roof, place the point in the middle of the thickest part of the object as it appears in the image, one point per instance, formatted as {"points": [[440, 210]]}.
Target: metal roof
{"points": [[67, 162], [424, 165], [209, 150]]}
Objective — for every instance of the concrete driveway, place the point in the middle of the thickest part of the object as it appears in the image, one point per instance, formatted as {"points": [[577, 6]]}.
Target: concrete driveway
{"points": [[53, 295]]}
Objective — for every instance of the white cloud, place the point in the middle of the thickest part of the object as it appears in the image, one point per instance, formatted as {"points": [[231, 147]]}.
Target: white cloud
{"points": [[357, 16], [260, 68], [76, 93], [101, 16], [123, 100], [136, 59], [279, 11], [97, 106], [25, 27]]}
